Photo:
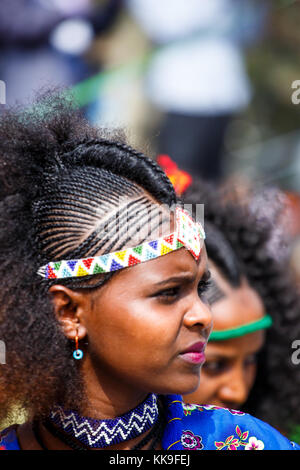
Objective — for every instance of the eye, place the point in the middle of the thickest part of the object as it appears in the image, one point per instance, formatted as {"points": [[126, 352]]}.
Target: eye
{"points": [[250, 360], [204, 285], [215, 367], [169, 294]]}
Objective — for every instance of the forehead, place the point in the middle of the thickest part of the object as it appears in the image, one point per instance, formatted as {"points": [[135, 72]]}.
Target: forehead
{"points": [[237, 347], [239, 305]]}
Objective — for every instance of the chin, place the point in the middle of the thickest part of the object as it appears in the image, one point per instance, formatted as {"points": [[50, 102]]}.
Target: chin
{"points": [[183, 386]]}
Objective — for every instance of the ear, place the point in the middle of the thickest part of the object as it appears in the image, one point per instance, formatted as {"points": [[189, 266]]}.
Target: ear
{"points": [[69, 308]]}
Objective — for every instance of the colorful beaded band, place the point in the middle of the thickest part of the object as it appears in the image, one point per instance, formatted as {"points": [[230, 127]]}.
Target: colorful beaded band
{"points": [[188, 234], [223, 335]]}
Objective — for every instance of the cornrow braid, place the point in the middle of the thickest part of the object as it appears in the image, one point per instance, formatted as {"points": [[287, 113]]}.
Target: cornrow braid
{"points": [[95, 242], [93, 234], [142, 169]]}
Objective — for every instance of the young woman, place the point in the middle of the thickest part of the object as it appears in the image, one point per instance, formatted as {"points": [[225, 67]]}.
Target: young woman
{"points": [[256, 317], [102, 309]]}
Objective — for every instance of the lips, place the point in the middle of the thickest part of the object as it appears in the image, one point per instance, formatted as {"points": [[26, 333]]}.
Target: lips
{"points": [[196, 347], [194, 354]]}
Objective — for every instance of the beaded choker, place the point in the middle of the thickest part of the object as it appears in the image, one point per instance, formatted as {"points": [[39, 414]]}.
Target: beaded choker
{"points": [[95, 433], [188, 234]]}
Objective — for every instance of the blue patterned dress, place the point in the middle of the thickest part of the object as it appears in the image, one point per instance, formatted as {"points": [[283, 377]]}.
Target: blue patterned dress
{"points": [[202, 427]]}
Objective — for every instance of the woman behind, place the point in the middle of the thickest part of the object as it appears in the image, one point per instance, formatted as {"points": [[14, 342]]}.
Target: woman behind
{"points": [[256, 317], [102, 309]]}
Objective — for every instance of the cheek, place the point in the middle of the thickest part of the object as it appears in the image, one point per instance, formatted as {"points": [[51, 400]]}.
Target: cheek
{"points": [[138, 329]]}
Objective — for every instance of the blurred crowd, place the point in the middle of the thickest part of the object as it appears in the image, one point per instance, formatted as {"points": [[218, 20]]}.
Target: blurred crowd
{"points": [[210, 84]]}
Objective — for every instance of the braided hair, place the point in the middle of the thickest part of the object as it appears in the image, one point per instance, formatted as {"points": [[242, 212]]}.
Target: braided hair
{"points": [[63, 184], [237, 244]]}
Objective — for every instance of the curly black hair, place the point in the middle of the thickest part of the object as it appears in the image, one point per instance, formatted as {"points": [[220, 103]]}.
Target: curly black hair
{"points": [[61, 180], [238, 244]]}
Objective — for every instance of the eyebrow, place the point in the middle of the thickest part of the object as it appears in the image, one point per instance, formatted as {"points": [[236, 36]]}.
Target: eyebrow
{"points": [[180, 277], [185, 277]]}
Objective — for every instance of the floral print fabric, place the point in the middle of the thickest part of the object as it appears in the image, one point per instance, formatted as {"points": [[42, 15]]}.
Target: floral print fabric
{"points": [[209, 427]]}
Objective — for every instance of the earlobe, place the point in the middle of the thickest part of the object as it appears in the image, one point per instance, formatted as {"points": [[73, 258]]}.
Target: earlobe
{"points": [[68, 310]]}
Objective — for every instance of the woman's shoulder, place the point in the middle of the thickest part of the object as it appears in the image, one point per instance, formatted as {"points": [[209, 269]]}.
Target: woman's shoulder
{"points": [[225, 429], [9, 439]]}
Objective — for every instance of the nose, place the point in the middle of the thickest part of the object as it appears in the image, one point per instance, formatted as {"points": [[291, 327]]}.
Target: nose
{"points": [[234, 390], [199, 314]]}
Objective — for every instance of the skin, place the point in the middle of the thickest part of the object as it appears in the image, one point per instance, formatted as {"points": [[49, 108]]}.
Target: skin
{"points": [[230, 367], [132, 332]]}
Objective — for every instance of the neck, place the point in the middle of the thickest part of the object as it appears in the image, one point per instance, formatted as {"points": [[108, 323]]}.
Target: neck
{"points": [[106, 396], [112, 416]]}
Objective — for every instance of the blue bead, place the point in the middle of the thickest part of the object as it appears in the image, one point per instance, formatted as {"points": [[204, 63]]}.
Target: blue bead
{"points": [[78, 354]]}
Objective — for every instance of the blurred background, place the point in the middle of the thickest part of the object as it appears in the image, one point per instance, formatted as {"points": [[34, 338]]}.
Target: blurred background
{"points": [[215, 84]]}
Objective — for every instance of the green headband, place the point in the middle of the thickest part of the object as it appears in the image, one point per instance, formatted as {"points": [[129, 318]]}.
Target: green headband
{"points": [[222, 335]]}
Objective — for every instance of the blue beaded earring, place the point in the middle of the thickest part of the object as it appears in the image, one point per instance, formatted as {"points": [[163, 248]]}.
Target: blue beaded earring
{"points": [[77, 354]]}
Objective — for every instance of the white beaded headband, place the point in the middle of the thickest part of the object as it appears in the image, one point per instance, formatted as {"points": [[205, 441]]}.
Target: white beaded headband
{"points": [[188, 234]]}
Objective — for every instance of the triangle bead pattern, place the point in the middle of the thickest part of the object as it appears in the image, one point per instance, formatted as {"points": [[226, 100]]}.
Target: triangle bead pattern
{"points": [[102, 433], [188, 234]]}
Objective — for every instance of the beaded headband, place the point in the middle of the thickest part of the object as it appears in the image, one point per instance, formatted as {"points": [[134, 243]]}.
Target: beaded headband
{"points": [[188, 234], [261, 324]]}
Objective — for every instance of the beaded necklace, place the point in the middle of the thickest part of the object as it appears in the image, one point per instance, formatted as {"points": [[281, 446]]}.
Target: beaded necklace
{"points": [[82, 433], [154, 435]]}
